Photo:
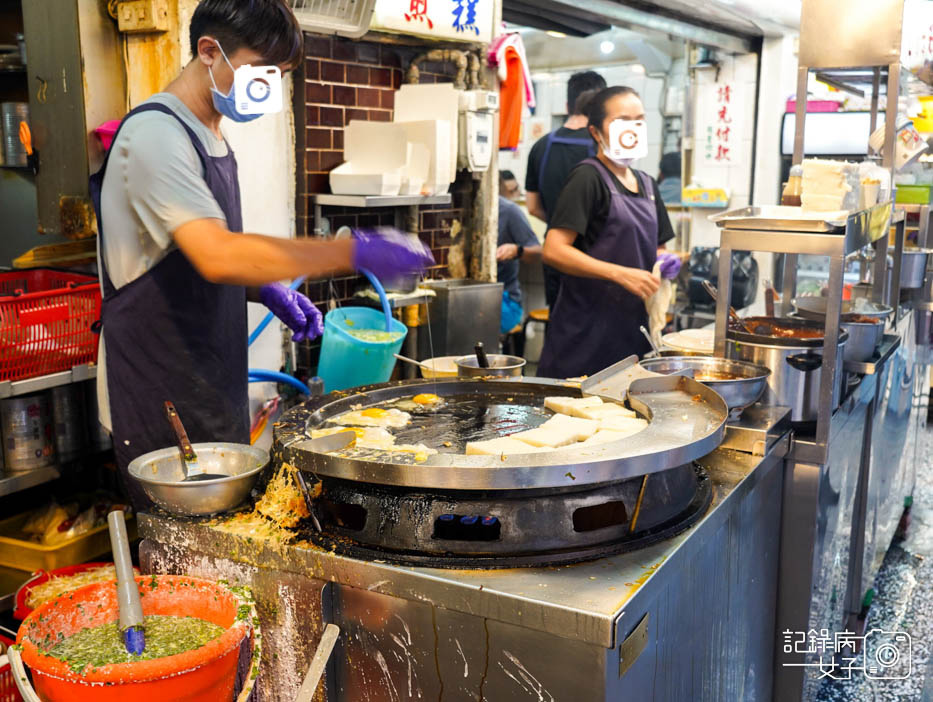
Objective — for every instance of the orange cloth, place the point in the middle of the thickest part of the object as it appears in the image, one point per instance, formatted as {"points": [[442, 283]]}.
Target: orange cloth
{"points": [[511, 101]]}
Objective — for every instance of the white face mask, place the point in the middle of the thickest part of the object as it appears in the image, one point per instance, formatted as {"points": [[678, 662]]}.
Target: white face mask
{"points": [[628, 141]]}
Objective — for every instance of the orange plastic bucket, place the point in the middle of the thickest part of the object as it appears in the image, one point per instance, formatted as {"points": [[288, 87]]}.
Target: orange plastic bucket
{"points": [[205, 674]]}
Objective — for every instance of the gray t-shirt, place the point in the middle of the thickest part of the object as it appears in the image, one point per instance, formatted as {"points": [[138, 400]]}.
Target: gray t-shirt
{"points": [[513, 229], [153, 185]]}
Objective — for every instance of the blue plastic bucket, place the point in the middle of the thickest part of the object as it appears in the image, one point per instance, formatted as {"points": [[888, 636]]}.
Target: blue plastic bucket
{"points": [[348, 362]]}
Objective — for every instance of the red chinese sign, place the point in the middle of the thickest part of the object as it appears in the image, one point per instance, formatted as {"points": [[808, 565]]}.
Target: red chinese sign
{"points": [[418, 12], [717, 131]]}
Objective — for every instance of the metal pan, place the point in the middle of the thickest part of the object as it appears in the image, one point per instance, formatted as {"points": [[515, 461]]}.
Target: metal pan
{"points": [[743, 387]]}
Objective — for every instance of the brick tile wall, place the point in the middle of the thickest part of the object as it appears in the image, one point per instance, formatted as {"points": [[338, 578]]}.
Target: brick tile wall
{"points": [[345, 80]]}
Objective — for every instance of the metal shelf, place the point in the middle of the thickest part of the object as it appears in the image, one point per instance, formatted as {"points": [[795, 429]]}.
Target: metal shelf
{"points": [[396, 301], [889, 344], [45, 382], [15, 482], [908, 208], [380, 200]]}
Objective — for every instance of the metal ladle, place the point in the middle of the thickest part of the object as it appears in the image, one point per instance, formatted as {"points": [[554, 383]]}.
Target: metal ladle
{"points": [[654, 347], [714, 293]]}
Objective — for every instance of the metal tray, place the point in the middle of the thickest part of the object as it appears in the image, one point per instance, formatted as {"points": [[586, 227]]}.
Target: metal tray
{"points": [[686, 421], [781, 218], [889, 344]]}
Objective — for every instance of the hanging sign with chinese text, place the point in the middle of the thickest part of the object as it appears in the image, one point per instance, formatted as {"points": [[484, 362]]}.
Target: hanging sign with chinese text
{"points": [[458, 20], [719, 128]]}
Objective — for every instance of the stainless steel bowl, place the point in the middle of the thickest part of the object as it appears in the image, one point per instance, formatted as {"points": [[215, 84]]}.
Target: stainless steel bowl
{"points": [[815, 308], [499, 365], [739, 392], [161, 475]]}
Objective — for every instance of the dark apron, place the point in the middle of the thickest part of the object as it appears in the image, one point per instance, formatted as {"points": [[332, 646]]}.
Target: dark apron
{"points": [[595, 323], [172, 335], [552, 275]]}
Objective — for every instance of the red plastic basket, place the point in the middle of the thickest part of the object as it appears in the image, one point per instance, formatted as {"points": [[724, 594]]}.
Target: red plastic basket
{"points": [[8, 691], [46, 317]]}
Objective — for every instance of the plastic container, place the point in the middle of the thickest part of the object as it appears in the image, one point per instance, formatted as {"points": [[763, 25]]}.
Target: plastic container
{"points": [[913, 194], [205, 674], [348, 362], [45, 322], [335, 16], [21, 554], [8, 691]]}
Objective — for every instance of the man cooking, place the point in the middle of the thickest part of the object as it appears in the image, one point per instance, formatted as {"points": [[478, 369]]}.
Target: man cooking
{"points": [[174, 265], [554, 156]]}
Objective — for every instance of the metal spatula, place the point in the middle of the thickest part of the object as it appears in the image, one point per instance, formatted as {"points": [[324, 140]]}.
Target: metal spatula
{"points": [[193, 471]]}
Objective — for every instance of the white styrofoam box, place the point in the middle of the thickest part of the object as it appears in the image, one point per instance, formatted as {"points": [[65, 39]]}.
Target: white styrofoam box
{"points": [[438, 101], [374, 147], [436, 136], [349, 179], [416, 171]]}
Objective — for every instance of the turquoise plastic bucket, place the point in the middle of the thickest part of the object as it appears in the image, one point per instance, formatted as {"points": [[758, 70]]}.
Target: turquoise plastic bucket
{"points": [[348, 362]]}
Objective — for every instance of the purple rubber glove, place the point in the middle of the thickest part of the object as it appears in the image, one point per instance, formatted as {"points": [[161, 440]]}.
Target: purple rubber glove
{"points": [[390, 254], [295, 309], [670, 265]]}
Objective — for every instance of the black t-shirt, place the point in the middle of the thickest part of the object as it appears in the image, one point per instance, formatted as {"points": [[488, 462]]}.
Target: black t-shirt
{"points": [[583, 205], [561, 160]]}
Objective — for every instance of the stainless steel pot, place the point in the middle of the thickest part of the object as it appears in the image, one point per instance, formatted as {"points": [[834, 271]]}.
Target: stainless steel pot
{"points": [[499, 365], [864, 338], [913, 268], [814, 307], [796, 365]]}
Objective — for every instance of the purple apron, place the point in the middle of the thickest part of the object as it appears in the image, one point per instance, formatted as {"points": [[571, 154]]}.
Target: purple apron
{"points": [[594, 322], [172, 335], [552, 275]]}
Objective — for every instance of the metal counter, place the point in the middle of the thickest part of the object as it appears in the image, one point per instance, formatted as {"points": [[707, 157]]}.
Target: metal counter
{"points": [[687, 618]]}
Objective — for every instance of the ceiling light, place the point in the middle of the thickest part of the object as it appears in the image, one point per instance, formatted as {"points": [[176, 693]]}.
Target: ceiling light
{"points": [[556, 35], [637, 68], [607, 47]]}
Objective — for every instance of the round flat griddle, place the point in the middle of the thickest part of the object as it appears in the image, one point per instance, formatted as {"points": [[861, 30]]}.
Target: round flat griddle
{"points": [[686, 421]]}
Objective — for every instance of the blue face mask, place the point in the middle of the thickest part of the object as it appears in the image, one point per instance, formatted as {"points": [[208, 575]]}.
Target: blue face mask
{"points": [[226, 104]]}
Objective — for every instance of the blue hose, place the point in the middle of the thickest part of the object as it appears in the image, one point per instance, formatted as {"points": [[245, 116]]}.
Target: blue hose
{"points": [[269, 317], [266, 376], [381, 292]]}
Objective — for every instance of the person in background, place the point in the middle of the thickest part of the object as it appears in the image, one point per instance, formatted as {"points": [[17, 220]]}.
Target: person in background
{"points": [[607, 232], [517, 242], [175, 265], [669, 183], [554, 156]]}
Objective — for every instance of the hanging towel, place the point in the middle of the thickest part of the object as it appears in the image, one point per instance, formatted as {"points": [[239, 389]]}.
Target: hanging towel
{"points": [[657, 306], [497, 57]]}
